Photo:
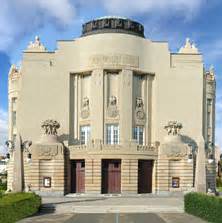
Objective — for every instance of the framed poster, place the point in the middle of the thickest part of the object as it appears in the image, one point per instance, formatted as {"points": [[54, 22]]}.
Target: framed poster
{"points": [[175, 182], [47, 182]]}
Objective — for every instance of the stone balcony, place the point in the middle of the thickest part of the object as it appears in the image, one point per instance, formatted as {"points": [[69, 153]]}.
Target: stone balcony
{"points": [[99, 148]]}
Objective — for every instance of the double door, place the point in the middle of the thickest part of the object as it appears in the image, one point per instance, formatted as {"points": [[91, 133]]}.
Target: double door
{"points": [[78, 176], [111, 176]]}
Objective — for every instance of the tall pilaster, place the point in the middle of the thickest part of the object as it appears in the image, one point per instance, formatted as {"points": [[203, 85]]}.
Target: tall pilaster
{"points": [[126, 95], [97, 105]]}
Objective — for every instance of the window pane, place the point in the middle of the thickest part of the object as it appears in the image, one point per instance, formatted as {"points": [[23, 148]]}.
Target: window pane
{"points": [[84, 134], [14, 118], [112, 134], [138, 135]]}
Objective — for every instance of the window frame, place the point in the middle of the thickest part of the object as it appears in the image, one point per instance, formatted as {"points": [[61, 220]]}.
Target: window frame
{"points": [[137, 134], [112, 134], [84, 139]]}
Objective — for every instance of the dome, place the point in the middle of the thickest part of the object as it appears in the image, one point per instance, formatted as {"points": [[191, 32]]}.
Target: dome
{"points": [[113, 24]]}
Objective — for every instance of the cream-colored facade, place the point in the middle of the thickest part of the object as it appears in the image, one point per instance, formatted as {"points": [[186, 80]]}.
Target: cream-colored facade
{"points": [[134, 117]]}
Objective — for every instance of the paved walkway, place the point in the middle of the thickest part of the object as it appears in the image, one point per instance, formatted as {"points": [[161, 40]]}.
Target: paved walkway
{"points": [[114, 218], [155, 204], [108, 209]]}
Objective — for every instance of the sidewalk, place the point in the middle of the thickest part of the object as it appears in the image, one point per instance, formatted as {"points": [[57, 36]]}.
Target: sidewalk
{"points": [[119, 204]]}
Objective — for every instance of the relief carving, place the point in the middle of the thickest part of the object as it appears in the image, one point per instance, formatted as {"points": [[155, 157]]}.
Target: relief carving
{"points": [[50, 127], [116, 60], [140, 115], [85, 108], [173, 128], [175, 151], [47, 151], [112, 107]]}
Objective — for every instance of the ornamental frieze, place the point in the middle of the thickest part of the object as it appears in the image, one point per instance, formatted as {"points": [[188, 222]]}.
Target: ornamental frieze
{"points": [[115, 60]]}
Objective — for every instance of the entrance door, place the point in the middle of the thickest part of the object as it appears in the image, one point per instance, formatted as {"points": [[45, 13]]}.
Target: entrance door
{"points": [[78, 176], [145, 169], [111, 176]]}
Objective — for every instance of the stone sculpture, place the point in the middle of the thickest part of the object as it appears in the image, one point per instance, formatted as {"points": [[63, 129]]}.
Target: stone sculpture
{"points": [[173, 127], [50, 127], [85, 108], [139, 112], [112, 107]]}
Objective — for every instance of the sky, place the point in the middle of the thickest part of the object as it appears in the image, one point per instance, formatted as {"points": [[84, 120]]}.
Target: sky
{"points": [[164, 20]]}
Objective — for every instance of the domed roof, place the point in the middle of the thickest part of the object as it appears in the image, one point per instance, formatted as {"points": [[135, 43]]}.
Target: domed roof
{"points": [[113, 24]]}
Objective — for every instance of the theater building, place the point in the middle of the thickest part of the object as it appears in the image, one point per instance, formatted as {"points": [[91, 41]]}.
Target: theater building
{"points": [[111, 112]]}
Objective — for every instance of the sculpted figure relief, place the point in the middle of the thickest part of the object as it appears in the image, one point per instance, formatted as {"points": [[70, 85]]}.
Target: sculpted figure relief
{"points": [[139, 102], [139, 111], [50, 127], [173, 128], [112, 107], [85, 107]]}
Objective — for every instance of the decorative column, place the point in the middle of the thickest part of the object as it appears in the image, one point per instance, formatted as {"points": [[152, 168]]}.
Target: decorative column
{"points": [[17, 185], [200, 178], [126, 106], [97, 105]]}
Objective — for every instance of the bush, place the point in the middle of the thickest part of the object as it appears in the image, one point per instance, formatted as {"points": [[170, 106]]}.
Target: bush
{"points": [[16, 206], [219, 182], [3, 186], [204, 206]]}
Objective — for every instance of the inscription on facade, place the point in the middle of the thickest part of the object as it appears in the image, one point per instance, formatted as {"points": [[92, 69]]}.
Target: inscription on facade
{"points": [[47, 151], [115, 60]]}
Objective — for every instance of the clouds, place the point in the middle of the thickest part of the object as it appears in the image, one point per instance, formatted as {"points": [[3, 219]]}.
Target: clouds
{"points": [[185, 7], [3, 129], [18, 18]]}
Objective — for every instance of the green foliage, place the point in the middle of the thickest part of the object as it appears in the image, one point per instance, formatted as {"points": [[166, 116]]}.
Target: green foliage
{"points": [[3, 186], [219, 182], [15, 206], [204, 206]]}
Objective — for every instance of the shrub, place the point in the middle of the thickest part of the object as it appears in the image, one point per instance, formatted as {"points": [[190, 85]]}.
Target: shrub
{"points": [[219, 182], [3, 186], [204, 206], [16, 206]]}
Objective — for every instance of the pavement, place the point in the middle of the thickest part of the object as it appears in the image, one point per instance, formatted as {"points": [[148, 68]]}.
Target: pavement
{"points": [[115, 218], [109, 204], [115, 209]]}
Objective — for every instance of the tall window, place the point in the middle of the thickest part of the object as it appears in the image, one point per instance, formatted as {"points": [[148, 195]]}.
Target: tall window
{"points": [[14, 118], [138, 134], [112, 134], [84, 134]]}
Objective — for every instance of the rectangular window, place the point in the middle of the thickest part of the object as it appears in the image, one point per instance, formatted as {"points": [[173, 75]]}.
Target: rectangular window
{"points": [[112, 134], [14, 118], [84, 134], [138, 134], [14, 101]]}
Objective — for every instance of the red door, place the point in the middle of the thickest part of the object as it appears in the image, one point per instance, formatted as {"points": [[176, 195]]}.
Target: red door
{"points": [[78, 176], [145, 169], [111, 176]]}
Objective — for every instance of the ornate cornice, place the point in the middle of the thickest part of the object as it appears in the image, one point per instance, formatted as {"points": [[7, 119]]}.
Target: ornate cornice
{"points": [[113, 25]]}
